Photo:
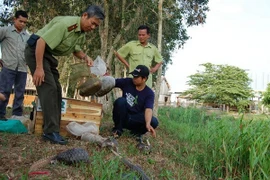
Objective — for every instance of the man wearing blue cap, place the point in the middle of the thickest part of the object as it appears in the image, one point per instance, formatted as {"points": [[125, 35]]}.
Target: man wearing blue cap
{"points": [[134, 110]]}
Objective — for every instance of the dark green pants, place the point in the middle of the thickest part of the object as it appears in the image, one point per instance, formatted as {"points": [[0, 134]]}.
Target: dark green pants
{"points": [[50, 92]]}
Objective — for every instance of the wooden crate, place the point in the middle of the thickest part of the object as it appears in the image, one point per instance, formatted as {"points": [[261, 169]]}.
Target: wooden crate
{"points": [[72, 110], [27, 102]]}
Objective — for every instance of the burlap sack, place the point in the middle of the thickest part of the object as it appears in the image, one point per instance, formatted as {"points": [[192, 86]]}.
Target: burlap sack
{"points": [[107, 84], [78, 71], [90, 86]]}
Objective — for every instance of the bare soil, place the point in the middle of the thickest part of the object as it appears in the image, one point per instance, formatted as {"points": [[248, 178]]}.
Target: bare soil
{"points": [[19, 151]]}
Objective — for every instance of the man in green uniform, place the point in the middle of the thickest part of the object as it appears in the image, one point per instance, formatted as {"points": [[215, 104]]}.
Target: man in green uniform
{"points": [[62, 36], [141, 52]]}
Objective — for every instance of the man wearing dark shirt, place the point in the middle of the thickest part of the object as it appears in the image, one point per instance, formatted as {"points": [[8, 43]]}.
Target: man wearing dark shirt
{"points": [[134, 110]]}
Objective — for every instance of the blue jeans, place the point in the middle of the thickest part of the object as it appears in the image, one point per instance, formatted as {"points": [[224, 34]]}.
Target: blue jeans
{"points": [[134, 122], [8, 78]]}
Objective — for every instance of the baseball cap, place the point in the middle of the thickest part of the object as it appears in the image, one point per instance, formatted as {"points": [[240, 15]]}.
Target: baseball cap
{"points": [[140, 70]]}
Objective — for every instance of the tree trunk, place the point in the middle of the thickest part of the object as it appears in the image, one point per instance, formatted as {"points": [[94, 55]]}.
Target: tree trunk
{"points": [[119, 36], [111, 96], [104, 32], [65, 74], [158, 83], [118, 65]]}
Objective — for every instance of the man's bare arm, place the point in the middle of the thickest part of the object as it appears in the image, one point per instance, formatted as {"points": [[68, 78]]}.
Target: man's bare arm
{"points": [[39, 75], [85, 57], [148, 117], [121, 59], [156, 67]]}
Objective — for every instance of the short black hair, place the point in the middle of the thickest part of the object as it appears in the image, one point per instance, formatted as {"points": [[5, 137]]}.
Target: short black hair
{"points": [[144, 27], [21, 13], [95, 11]]}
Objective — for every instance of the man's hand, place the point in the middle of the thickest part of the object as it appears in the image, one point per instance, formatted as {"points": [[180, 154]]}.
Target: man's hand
{"points": [[83, 56], [38, 76], [89, 61], [155, 68], [151, 130], [151, 70], [2, 97]]}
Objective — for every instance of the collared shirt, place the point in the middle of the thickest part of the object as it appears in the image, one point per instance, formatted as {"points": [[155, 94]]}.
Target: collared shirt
{"points": [[63, 35], [12, 48], [136, 54]]}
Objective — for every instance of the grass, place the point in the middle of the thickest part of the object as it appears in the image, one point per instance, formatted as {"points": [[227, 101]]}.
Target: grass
{"points": [[191, 144], [225, 148]]}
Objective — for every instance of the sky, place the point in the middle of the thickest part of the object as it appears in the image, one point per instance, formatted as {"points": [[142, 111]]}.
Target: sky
{"points": [[237, 33]]}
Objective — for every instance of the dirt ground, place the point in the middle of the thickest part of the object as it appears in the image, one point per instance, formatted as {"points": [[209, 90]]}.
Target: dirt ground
{"points": [[19, 152]]}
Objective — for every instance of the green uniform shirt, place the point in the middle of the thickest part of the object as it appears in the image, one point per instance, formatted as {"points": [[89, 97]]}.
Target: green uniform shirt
{"points": [[12, 47], [63, 35], [136, 54]]}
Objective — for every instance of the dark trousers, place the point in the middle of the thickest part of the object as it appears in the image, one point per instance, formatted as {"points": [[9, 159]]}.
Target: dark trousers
{"points": [[49, 92], [134, 122], [8, 78]]}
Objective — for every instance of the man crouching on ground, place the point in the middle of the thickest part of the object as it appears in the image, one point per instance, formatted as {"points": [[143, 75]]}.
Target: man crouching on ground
{"points": [[134, 110]]}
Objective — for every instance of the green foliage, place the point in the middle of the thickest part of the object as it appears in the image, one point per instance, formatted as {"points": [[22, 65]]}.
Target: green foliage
{"points": [[191, 144], [266, 96], [219, 148], [120, 26], [5, 12], [221, 84], [177, 15]]}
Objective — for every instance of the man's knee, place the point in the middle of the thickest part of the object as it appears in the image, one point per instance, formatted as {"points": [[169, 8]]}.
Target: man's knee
{"points": [[120, 102], [154, 122]]}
